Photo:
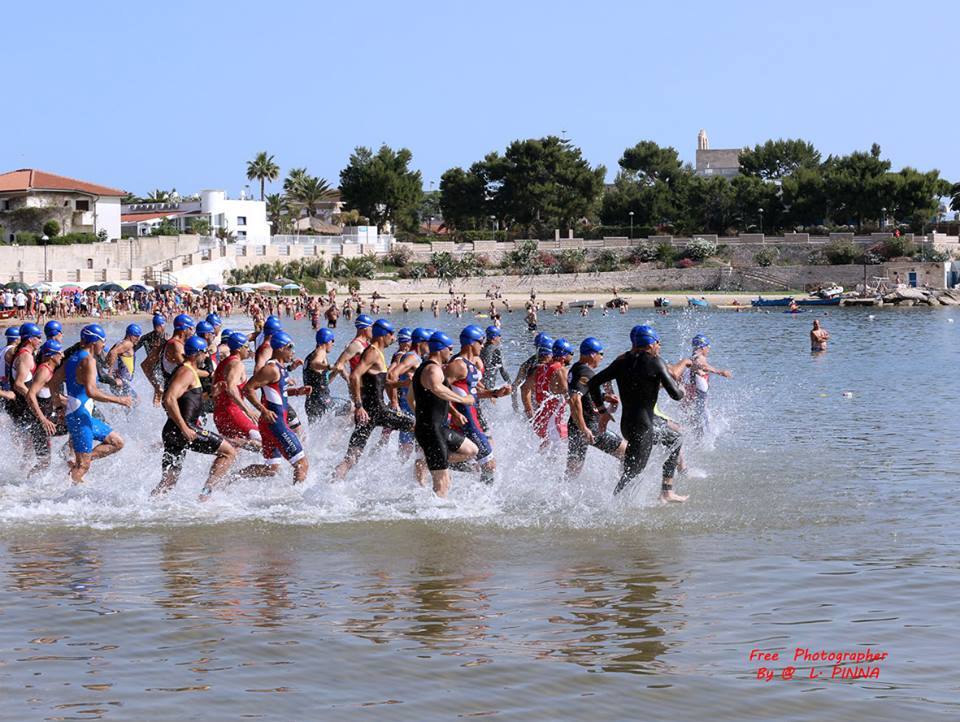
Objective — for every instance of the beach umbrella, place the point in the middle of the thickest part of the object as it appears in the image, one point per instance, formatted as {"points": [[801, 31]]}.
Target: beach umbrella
{"points": [[138, 288], [212, 287], [290, 287], [16, 286], [92, 288], [111, 287], [266, 286], [164, 287], [45, 286], [247, 288], [67, 290]]}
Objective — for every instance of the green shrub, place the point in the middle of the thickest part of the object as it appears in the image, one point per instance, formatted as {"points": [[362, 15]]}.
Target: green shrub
{"points": [[572, 260], [642, 252], [399, 256], [841, 253], [27, 238], [51, 228], [666, 253], [898, 248], [606, 260], [699, 249], [766, 256], [70, 238], [818, 258]]}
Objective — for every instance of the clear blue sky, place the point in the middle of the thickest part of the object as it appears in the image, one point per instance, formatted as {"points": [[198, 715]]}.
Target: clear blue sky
{"points": [[182, 94]]}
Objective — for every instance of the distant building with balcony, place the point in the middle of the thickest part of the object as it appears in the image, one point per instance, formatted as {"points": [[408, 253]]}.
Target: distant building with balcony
{"points": [[78, 206], [246, 219], [724, 162]]}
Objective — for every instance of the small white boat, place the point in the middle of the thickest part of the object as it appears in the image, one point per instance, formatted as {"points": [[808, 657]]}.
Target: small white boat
{"points": [[581, 303]]}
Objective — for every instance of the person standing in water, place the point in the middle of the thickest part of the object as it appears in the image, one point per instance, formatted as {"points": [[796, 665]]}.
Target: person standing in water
{"points": [[818, 338], [639, 374]]}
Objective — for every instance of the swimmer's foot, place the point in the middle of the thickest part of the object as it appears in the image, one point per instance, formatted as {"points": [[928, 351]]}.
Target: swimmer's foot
{"points": [[671, 496]]}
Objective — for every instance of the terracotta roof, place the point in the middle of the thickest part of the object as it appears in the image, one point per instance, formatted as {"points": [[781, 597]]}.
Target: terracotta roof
{"points": [[137, 217], [28, 179]]}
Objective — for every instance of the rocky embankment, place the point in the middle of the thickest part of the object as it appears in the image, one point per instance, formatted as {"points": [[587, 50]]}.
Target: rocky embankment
{"points": [[907, 296]]}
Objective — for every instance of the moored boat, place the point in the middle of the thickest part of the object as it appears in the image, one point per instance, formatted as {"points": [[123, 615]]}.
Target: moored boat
{"points": [[760, 301]]}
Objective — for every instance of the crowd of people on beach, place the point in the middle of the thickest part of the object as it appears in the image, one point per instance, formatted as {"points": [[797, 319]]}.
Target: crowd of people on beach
{"points": [[433, 390]]}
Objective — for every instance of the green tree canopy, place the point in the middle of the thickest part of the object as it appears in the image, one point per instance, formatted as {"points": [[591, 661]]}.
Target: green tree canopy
{"points": [[382, 187], [778, 158]]}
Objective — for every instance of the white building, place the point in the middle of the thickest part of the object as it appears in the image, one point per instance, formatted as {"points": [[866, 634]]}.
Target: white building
{"points": [[78, 206], [246, 219]]}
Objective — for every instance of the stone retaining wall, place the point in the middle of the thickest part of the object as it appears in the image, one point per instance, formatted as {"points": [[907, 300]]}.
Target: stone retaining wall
{"points": [[673, 279]]}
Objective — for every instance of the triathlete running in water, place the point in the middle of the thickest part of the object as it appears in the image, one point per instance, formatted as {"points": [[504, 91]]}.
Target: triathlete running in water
{"points": [[43, 399], [233, 418], [316, 374], [122, 359], [280, 441], [697, 384], [545, 392], [539, 341], [583, 427], [639, 374], [432, 398], [153, 342], [183, 402], [367, 384], [80, 378], [351, 354]]}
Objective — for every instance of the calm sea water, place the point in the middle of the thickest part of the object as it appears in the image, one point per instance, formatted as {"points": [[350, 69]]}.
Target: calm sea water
{"points": [[816, 521]]}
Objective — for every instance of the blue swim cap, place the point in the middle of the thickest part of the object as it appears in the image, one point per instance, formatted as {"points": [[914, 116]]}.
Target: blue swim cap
{"points": [[203, 328], [363, 321], [183, 322], [134, 330], [421, 335], [493, 332], [214, 320], [324, 335], [52, 328], [51, 347], [194, 345], [439, 341], [272, 325], [225, 334], [538, 339], [642, 336], [382, 328], [404, 335], [544, 345], [280, 339], [30, 330], [159, 320], [236, 341], [471, 334], [700, 341], [562, 347], [590, 345], [12, 332], [90, 334]]}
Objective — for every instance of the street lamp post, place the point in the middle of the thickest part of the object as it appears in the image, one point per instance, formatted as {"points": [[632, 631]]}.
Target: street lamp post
{"points": [[431, 224], [631, 225], [760, 210], [883, 219], [45, 240]]}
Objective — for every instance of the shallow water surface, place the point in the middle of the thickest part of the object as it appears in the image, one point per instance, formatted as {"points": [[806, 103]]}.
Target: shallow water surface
{"points": [[815, 521]]}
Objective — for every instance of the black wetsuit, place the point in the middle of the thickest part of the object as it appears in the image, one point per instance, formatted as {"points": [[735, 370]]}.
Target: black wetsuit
{"points": [[175, 445], [371, 397], [492, 357], [639, 377], [25, 422], [434, 436], [578, 381], [319, 402], [150, 341]]}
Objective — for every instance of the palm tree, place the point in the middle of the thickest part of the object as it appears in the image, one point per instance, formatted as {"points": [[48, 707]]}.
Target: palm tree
{"points": [[158, 195], [293, 179], [226, 235], [277, 210], [262, 168], [311, 191]]}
